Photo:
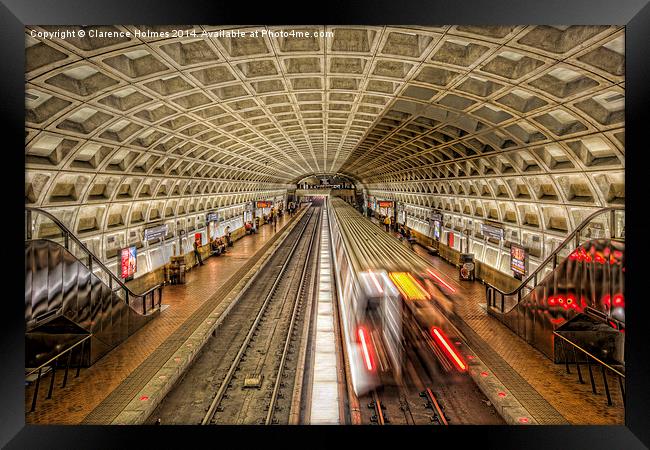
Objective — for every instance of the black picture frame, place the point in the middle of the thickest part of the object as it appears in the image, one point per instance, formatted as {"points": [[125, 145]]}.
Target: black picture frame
{"points": [[634, 14]]}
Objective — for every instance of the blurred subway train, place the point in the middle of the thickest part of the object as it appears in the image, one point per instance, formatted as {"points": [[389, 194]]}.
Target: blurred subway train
{"points": [[390, 301]]}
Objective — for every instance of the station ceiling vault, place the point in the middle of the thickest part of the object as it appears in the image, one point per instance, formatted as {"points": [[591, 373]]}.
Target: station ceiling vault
{"points": [[523, 124]]}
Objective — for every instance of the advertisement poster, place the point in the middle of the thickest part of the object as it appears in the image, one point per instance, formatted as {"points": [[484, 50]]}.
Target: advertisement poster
{"points": [[436, 230], [128, 262], [518, 259], [451, 240]]}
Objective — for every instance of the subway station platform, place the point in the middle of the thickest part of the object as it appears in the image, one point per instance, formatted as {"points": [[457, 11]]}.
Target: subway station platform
{"points": [[103, 390]]}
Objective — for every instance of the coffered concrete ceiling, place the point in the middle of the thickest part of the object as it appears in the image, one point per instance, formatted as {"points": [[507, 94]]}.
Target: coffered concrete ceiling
{"points": [[523, 124]]}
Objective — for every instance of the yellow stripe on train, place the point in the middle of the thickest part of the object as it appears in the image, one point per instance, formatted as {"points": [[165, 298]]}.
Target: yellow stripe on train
{"points": [[410, 288]]}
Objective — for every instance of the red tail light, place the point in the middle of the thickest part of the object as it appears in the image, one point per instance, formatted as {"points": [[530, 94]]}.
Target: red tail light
{"points": [[365, 346], [619, 300], [442, 340], [441, 282]]}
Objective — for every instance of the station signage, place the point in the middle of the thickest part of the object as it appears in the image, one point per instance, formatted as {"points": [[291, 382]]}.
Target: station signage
{"points": [[385, 204], [263, 204], [436, 215], [492, 231], [128, 262], [212, 217], [518, 259], [157, 232]]}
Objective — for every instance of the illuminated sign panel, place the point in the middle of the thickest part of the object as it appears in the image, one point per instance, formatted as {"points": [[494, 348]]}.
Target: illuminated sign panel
{"points": [[518, 259], [264, 204], [156, 232], [492, 231], [385, 204], [128, 262], [212, 217]]}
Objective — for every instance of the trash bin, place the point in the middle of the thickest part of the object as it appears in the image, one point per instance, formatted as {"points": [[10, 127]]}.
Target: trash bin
{"points": [[177, 269], [467, 267]]}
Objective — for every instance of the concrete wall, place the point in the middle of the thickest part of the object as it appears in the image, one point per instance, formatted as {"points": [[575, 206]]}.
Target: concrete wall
{"points": [[157, 276]]}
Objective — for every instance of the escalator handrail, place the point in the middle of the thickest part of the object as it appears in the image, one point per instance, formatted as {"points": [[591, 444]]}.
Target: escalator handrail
{"points": [[69, 233], [560, 247]]}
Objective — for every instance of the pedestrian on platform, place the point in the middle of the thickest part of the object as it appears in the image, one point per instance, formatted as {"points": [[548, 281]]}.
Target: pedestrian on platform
{"points": [[197, 254], [387, 224], [228, 238]]}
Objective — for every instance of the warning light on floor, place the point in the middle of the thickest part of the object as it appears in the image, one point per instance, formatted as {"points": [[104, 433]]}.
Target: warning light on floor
{"points": [[484, 374], [523, 420], [502, 394], [144, 398]]}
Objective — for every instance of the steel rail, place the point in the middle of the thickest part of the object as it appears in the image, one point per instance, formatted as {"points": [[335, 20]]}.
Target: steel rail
{"points": [[436, 406], [294, 314], [224, 385], [381, 420]]}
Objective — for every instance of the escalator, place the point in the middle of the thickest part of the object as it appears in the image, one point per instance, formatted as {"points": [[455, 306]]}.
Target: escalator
{"points": [[576, 295], [71, 297]]}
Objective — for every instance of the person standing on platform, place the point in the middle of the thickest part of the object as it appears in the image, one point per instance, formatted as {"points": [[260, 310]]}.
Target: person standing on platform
{"points": [[197, 254], [387, 224], [228, 238]]}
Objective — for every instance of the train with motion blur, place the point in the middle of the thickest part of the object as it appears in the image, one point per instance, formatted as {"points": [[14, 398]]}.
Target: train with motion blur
{"points": [[390, 300]]}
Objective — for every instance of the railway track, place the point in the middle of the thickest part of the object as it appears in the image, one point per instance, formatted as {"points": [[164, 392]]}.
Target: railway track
{"points": [[246, 372], [398, 405]]}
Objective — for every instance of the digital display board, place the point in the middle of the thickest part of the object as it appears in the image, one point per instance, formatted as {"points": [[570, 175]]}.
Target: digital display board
{"points": [[492, 231], [156, 232], [385, 204], [212, 217], [128, 262], [264, 204], [518, 259]]}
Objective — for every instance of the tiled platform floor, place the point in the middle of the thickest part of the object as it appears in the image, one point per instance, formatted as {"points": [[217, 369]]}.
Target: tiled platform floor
{"points": [[82, 395]]}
